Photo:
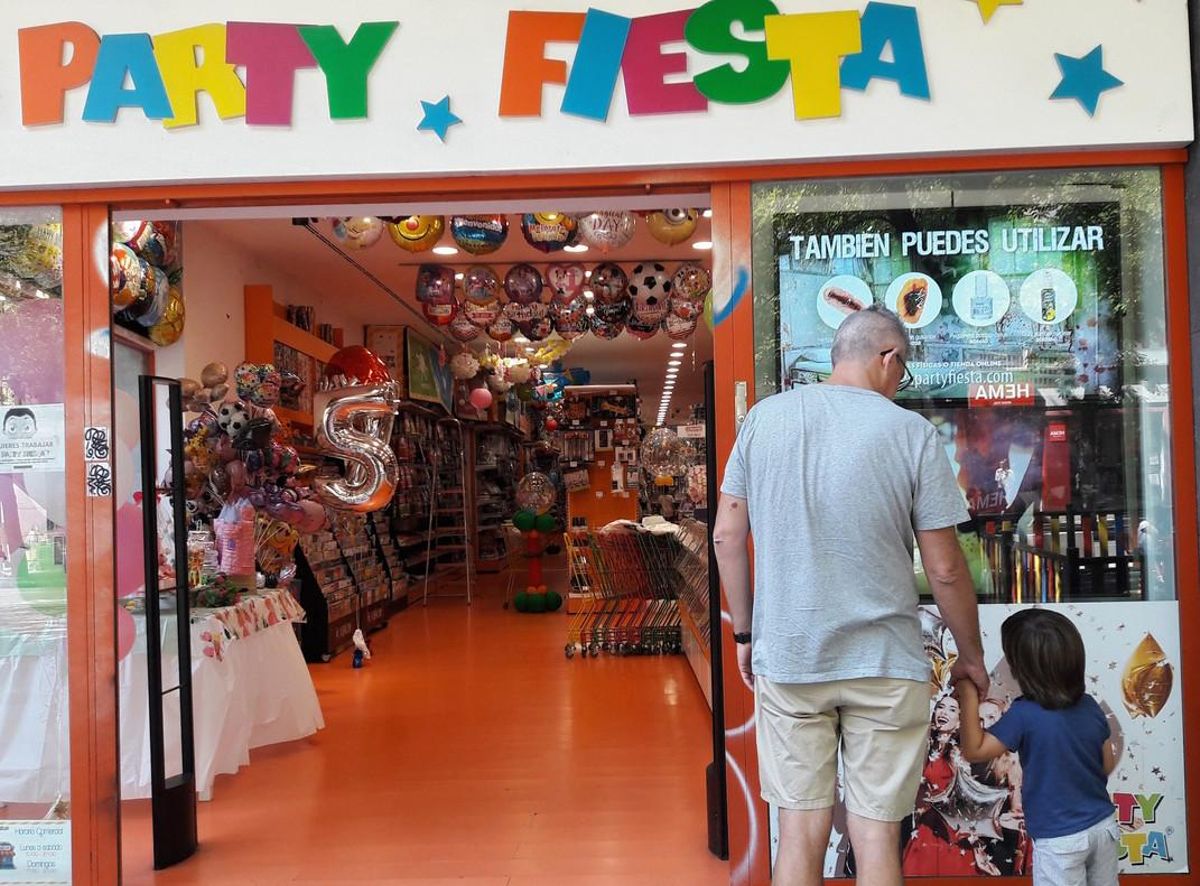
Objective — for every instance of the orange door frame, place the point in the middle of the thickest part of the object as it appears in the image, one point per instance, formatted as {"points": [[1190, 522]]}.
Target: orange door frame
{"points": [[91, 632]]}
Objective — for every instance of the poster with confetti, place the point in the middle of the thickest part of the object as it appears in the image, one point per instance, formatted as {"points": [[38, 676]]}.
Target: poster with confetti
{"points": [[968, 819]]}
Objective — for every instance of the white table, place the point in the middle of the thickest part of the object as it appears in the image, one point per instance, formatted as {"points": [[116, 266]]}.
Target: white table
{"points": [[250, 686]]}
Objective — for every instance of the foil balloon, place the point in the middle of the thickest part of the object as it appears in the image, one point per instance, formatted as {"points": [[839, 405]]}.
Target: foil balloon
{"points": [[607, 230], [523, 284], [502, 330], [538, 329], [685, 308], [157, 242], [692, 281], [566, 280], [664, 454], [639, 329], [672, 226], [678, 328], [214, 374], [481, 285], [549, 231], [521, 314], [1147, 680], [36, 254], [314, 516], [233, 417], [482, 315], [126, 276], [440, 313], [356, 426], [355, 365], [609, 282], [464, 366], [651, 295], [536, 492], [462, 328], [435, 284], [417, 233], [613, 312], [291, 385], [258, 383], [570, 327], [606, 331], [153, 307], [169, 328], [357, 232], [479, 234]]}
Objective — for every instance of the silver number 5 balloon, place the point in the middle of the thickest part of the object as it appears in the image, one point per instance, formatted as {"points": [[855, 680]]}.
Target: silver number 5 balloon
{"points": [[356, 426]]}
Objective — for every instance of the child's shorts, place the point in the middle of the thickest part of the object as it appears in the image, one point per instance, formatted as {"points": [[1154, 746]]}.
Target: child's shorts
{"points": [[1088, 858]]}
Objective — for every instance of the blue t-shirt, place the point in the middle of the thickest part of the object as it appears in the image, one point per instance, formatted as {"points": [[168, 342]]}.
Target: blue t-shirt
{"points": [[1063, 786]]}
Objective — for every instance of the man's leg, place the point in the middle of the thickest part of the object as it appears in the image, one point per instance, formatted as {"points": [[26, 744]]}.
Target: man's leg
{"points": [[885, 737], [797, 766], [876, 850], [803, 840]]}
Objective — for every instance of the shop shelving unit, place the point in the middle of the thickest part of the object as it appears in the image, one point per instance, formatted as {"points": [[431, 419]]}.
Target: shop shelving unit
{"points": [[495, 468], [448, 530]]}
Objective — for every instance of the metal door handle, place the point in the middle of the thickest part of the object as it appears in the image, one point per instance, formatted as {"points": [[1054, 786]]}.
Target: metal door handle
{"points": [[740, 393]]}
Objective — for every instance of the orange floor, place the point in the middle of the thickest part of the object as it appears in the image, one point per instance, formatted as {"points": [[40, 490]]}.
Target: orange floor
{"points": [[469, 751]]}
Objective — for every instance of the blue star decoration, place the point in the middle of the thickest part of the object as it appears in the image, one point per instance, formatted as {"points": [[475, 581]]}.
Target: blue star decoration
{"points": [[1084, 79], [438, 118]]}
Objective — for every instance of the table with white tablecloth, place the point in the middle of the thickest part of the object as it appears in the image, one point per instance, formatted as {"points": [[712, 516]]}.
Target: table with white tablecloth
{"points": [[250, 687]]}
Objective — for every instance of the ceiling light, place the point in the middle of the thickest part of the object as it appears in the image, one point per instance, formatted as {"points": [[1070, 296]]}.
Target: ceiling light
{"points": [[672, 372], [578, 247], [588, 294], [590, 310], [674, 362], [445, 250], [679, 345], [529, 350], [707, 213], [458, 276], [702, 245], [587, 274]]}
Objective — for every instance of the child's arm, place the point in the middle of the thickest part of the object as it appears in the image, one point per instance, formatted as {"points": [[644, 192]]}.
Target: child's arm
{"points": [[1111, 755], [976, 745]]}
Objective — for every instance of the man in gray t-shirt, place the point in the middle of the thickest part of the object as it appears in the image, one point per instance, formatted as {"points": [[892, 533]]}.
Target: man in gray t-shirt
{"points": [[834, 482]]}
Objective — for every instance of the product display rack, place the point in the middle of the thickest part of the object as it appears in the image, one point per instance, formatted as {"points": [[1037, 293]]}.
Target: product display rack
{"points": [[692, 590], [343, 586], [495, 468], [414, 438]]}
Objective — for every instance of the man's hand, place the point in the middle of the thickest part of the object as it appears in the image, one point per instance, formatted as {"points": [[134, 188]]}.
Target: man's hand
{"points": [[974, 671], [745, 667]]}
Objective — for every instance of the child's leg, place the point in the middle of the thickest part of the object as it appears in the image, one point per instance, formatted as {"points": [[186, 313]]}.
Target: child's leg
{"points": [[1102, 864], [1062, 861]]}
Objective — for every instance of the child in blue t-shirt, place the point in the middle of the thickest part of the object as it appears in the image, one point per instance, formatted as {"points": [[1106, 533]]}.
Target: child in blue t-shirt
{"points": [[1065, 746]]}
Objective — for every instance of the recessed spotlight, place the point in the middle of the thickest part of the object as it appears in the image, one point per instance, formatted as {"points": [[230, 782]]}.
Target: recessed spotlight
{"points": [[578, 247], [588, 294], [445, 250], [702, 245], [674, 362], [707, 213], [458, 276], [529, 350], [590, 310], [679, 346]]}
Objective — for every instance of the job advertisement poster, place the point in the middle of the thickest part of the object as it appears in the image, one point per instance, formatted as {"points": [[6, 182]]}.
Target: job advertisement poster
{"points": [[31, 438], [1006, 305], [35, 852]]}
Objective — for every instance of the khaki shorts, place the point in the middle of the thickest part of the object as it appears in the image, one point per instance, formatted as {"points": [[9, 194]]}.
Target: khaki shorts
{"points": [[880, 726]]}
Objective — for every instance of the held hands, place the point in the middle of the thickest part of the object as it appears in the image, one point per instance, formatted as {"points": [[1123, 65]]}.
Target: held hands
{"points": [[973, 670]]}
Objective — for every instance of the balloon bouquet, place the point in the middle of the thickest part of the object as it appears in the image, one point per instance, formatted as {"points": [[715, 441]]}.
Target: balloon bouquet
{"points": [[536, 495], [242, 478]]}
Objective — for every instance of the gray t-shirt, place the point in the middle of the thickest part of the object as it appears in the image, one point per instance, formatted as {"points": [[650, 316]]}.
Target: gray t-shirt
{"points": [[837, 479]]}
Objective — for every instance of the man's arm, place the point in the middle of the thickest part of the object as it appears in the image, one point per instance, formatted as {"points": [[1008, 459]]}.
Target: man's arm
{"points": [[731, 532], [954, 593]]}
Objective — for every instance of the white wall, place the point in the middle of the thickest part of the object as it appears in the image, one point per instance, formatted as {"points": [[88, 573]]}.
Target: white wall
{"points": [[216, 271]]}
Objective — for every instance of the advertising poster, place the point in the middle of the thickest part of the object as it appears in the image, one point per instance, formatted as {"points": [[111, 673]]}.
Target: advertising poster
{"points": [[968, 819], [35, 852], [1003, 304], [31, 438]]}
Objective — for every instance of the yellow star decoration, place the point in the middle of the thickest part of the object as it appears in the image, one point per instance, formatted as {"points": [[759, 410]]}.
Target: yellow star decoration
{"points": [[987, 8]]}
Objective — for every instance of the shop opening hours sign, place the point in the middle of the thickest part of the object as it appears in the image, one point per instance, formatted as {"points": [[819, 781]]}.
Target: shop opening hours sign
{"points": [[1002, 308]]}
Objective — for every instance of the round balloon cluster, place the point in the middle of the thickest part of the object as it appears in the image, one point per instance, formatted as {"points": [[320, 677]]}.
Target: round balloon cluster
{"points": [[145, 278], [565, 298], [536, 495], [235, 452], [665, 454]]}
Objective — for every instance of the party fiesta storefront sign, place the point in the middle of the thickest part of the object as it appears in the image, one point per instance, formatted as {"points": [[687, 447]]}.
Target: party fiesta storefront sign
{"points": [[387, 88]]}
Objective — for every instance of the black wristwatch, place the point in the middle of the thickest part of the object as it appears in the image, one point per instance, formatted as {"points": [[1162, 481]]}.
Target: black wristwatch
{"points": [[742, 639]]}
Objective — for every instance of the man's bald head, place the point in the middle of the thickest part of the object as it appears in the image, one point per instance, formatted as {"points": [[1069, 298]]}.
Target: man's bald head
{"points": [[865, 334]]}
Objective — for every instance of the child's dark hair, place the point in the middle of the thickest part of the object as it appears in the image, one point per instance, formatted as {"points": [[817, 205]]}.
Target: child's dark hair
{"points": [[1046, 654]]}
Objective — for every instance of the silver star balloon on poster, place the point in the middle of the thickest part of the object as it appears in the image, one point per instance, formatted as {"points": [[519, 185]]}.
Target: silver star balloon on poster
{"points": [[972, 808]]}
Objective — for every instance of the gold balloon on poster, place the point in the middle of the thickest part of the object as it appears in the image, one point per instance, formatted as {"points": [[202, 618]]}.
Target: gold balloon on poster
{"points": [[417, 233], [168, 329], [1148, 679]]}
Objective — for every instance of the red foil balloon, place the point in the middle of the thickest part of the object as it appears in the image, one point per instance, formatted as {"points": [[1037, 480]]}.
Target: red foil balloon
{"points": [[359, 365]]}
